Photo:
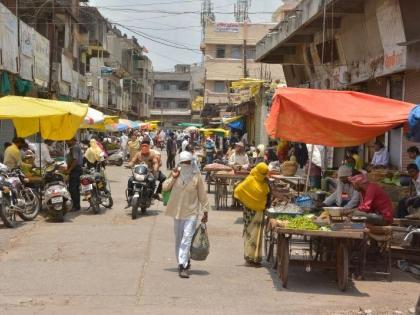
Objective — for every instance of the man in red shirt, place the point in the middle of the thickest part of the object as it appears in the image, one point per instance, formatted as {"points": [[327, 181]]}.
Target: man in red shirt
{"points": [[375, 203]]}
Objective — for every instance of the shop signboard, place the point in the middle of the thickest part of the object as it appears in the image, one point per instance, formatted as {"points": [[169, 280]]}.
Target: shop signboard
{"points": [[227, 27]]}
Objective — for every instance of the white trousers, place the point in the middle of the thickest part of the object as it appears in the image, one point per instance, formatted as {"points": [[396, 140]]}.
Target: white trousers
{"points": [[184, 232]]}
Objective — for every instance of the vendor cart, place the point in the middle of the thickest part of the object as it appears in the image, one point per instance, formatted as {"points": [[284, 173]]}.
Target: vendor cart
{"points": [[339, 244], [224, 184]]}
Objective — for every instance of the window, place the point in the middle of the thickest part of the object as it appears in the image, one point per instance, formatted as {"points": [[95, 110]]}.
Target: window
{"points": [[174, 87], [182, 104], [220, 52], [219, 86], [330, 51], [183, 86], [166, 86], [236, 52], [158, 104], [158, 87], [251, 52]]}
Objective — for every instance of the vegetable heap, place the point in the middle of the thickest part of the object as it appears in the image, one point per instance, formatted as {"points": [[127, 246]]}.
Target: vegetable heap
{"points": [[298, 223]]}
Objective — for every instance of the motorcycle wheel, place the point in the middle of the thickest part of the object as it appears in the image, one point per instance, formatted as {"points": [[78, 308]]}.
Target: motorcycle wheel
{"points": [[7, 214], [57, 216], [30, 212], [119, 162], [109, 203], [95, 203], [134, 211]]}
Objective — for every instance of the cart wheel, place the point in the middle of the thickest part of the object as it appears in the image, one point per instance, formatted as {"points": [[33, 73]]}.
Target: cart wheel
{"points": [[342, 266], [283, 259]]}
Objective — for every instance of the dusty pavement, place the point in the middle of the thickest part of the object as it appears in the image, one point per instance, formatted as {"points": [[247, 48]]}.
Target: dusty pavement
{"points": [[109, 264]]}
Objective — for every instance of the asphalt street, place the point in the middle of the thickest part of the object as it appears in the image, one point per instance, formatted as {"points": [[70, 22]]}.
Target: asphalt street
{"points": [[110, 264]]}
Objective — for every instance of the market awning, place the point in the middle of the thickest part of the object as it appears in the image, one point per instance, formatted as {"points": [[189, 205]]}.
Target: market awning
{"points": [[217, 131], [185, 125], [56, 120], [333, 118]]}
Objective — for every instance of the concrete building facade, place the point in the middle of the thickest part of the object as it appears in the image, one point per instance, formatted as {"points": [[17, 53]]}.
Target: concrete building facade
{"points": [[372, 46], [174, 93], [229, 55]]}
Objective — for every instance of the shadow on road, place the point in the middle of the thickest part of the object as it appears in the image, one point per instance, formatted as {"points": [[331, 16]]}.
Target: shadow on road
{"points": [[315, 282], [192, 272]]}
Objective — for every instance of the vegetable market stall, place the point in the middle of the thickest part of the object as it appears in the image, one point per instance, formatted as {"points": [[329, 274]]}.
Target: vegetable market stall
{"points": [[337, 119]]}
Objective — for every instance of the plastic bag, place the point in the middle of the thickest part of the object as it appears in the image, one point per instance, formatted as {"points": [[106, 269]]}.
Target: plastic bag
{"points": [[200, 246]]}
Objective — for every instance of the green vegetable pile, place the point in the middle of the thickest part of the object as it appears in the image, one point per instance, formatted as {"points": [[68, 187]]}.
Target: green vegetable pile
{"points": [[299, 223]]}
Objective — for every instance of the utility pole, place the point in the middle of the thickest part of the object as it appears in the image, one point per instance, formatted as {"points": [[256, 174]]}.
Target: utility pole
{"points": [[245, 49], [52, 50]]}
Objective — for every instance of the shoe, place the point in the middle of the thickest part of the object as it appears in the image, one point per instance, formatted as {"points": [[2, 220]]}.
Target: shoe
{"points": [[183, 272], [157, 197], [189, 265]]}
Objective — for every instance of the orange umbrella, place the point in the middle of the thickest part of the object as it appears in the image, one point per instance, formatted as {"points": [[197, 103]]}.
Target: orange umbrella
{"points": [[333, 118]]}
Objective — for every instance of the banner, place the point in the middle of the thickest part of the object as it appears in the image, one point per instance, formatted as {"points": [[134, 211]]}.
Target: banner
{"points": [[66, 68], [41, 60], [27, 42], [9, 40]]}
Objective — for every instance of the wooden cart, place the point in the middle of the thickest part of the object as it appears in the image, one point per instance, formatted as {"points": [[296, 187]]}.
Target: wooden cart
{"points": [[340, 241], [222, 191]]}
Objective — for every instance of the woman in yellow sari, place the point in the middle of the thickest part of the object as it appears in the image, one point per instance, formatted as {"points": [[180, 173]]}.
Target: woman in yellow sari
{"points": [[253, 193], [133, 146]]}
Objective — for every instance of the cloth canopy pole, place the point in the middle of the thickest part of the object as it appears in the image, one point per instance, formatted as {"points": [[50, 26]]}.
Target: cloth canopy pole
{"points": [[309, 169], [40, 163]]}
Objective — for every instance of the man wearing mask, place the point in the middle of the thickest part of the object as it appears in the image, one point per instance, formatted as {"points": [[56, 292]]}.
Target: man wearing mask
{"points": [[74, 169], [152, 159], [12, 155]]}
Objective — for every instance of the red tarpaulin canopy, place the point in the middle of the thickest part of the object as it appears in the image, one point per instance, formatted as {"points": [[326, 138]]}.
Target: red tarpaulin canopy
{"points": [[333, 118]]}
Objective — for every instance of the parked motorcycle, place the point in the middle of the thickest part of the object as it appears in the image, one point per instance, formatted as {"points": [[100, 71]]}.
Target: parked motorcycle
{"points": [[57, 199], [103, 186], [116, 158], [143, 189], [17, 198], [94, 188]]}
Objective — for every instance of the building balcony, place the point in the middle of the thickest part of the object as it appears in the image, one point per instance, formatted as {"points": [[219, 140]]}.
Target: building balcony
{"points": [[300, 25], [177, 94], [170, 112], [221, 98]]}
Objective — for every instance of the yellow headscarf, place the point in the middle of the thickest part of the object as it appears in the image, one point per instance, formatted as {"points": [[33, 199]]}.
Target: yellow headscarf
{"points": [[253, 191], [94, 152]]}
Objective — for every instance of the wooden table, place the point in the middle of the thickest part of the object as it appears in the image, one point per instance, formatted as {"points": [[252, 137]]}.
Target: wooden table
{"points": [[293, 180], [340, 241], [406, 222], [221, 186]]}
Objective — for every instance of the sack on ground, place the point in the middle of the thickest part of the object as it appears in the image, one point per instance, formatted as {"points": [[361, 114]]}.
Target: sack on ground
{"points": [[200, 246]]}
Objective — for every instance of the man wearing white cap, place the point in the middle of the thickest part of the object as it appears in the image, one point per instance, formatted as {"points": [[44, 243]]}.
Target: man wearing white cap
{"points": [[188, 192], [345, 195], [239, 157]]}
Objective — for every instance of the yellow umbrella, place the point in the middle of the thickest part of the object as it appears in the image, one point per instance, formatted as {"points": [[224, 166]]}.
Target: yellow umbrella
{"points": [[55, 120]]}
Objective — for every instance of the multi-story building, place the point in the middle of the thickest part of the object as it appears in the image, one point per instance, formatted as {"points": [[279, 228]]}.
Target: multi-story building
{"points": [[229, 55], [371, 46], [173, 94]]}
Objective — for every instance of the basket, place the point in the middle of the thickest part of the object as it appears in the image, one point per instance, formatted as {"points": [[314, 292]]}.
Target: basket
{"points": [[289, 170], [378, 175]]}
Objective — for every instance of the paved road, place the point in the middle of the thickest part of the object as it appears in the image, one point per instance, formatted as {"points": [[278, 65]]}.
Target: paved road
{"points": [[109, 264]]}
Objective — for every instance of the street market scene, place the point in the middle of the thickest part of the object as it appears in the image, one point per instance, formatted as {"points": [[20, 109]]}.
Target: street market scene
{"points": [[210, 156]]}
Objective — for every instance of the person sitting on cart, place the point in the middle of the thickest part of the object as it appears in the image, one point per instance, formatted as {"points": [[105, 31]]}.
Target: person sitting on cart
{"points": [[414, 200], [345, 195], [375, 203]]}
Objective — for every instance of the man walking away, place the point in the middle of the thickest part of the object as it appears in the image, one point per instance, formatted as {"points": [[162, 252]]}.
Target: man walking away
{"points": [[171, 149], [124, 145], [74, 169]]}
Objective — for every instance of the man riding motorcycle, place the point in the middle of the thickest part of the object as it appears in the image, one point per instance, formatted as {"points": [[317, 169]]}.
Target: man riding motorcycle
{"points": [[152, 159]]}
